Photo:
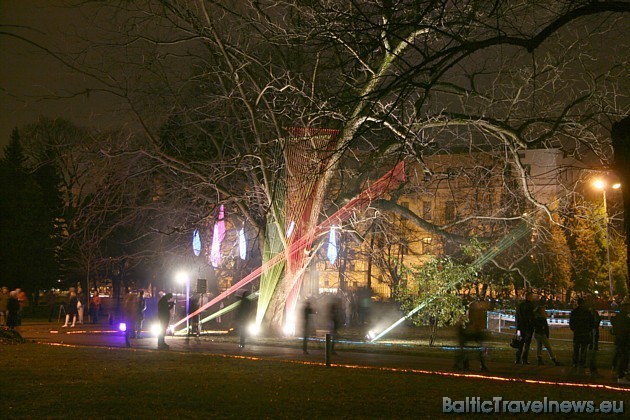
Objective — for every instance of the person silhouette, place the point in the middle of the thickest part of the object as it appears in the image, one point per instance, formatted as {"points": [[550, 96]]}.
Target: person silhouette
{"points": [[242, 317], [307, 311], [164, 316]]}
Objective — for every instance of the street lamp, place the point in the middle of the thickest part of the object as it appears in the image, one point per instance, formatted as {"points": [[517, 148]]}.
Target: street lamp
{"points": [[601, 185], [181, 278]]}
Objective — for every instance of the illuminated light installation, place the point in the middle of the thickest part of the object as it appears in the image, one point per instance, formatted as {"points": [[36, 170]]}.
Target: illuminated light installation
{"points": [[388, 181], [242, 244], [122, 327], [221, 312], [507, 241], [218, 234], [290, 229], [332, 246], [298, 201], [196, 243], [155, 329]]}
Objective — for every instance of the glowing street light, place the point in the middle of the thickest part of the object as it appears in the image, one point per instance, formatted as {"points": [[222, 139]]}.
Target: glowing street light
{"points": [[600, 184], [183, 278]]}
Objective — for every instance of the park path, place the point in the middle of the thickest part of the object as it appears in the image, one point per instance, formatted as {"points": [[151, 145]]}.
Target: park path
{"points": [[290, 350]]}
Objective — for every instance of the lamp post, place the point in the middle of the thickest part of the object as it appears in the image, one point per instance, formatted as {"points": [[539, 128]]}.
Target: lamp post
{"points": [[601, 185], [183, 277]]}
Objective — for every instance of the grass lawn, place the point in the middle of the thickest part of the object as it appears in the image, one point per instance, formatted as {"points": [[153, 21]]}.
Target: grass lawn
{"points": [[50, 381]]}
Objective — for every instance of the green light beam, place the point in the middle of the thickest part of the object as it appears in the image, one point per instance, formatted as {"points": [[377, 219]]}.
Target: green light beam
{"points": [[495, 250], [220, 312]]}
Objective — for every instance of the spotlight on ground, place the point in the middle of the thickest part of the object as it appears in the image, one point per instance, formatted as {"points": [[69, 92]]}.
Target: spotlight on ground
{"points": [[370, 335], [253, 329], [289, 329], [155, 329]]}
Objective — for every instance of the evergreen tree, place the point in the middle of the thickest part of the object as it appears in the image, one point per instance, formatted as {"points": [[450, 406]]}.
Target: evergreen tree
{"points": [[588, 251], [27, 252]]}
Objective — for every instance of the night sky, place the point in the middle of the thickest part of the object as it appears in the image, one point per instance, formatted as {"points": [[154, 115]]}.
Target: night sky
{"points": [[29, 78]]}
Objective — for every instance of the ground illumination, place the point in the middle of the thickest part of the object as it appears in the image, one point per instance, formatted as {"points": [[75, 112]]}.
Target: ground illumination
{"points": [[253, 329], [181, 277], [289, 329], [155, 329]]}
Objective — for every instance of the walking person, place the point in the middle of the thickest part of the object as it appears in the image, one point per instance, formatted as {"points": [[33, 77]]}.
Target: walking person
{"points": [[71, 310], [525, 325], [140, 310], [130, 311], [593, 347], [51, 301], [581, 323], [474, 330], [164, 307], [4, 301], [13, 310], [81, 303], [95, 307], [23, 302], [307, 311], [334, 318], [541, 334], [242, 317]]}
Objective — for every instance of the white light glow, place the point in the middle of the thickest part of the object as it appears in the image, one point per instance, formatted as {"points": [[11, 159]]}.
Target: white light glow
{"points": [[599, 184], [242, 244], [182, 277], [196, 243], [254, 329], [290, 230], [332, 246], [155, 329], [289, 329]]}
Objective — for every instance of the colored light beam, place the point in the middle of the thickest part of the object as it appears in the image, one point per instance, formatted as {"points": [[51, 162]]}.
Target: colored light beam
{"points": [[507, 241], [220, 312], [391, 178]]}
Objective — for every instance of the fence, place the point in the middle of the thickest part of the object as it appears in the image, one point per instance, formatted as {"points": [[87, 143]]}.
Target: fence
{"points": [[558, 320]]}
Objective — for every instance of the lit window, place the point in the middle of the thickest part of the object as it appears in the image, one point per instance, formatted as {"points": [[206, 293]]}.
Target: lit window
{"points": [[426, 245]]}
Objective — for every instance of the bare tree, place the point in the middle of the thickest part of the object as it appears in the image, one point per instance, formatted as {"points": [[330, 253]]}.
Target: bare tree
{"points": [[217, 87]]}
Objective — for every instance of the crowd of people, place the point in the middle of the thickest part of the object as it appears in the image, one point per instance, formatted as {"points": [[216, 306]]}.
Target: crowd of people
{"points": [[12, 304], [584, 322], [531, 325], [530, 316]]}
